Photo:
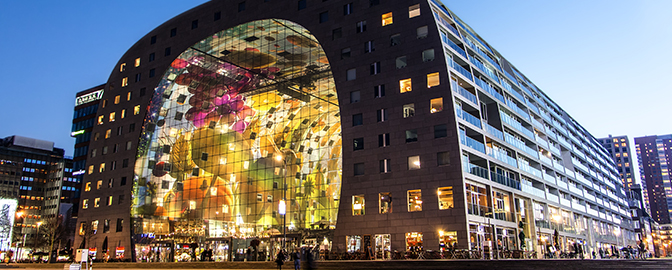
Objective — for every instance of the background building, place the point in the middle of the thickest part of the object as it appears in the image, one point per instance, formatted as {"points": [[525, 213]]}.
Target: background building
{"points": [[39, 176], [371, 126], [654, 168]]}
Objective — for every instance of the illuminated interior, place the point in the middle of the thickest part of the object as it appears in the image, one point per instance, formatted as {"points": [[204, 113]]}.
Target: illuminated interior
{"points": [[235, 118]]}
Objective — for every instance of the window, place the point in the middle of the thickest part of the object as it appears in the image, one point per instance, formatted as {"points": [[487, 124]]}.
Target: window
{"points": [[361, 26], [194, 24], [354, 96], [375, 68], [109, 200], [137, 62], [108, 133], [113, 116], [385, 202], [138, 77], [411, 135], [104, 150], [351, 74], [85, 204], [401, 61], [345, 53], [347, 9], [101, 119], [414, 11], [358, 205], [302, 4], [442, 158], [336, 33], [102, 167], [96, 202], [395, 39], [128, 145], [152, 57], [445, 195], [166, 52], [414, 162], [122, 67], [414, 200], [241, 6], [369, 46], [124, 82], [142, 91], [436, 105], [422, 32], [428, 55], [433, 79], [110, 182], [357, 144], [217, 15], [387, 19], [120, 225], [374, 2], [440, 131], [106, 226], [357, 120], [173, 32], [152, 72], [379, 91], [128, 96], [381, 115], [117, 99], [383, 140], [384, 165], [405, 85], [124, 163], [99, 184], [91, 168], [123, 183], [324, 16], [136, 110], [409, 110], [94, 226], [152, 40], [87, 187], [359, 169]]}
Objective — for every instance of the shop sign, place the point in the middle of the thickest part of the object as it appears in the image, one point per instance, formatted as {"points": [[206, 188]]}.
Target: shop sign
{"points": [[89, 97]]}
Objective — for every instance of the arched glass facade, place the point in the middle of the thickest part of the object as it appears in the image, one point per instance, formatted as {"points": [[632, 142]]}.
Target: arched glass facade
{"points": [[237, 117]]}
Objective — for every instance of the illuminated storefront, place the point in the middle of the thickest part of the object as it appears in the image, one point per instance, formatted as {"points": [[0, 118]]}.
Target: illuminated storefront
{"points": [[237, 117]]}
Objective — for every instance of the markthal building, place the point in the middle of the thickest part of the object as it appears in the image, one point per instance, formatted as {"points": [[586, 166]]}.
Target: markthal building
{"points": [[351, 126]]}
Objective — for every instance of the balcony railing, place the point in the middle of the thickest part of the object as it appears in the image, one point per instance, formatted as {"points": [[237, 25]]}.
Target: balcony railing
{"points": [[565, 202], [546, 160], [474, 144], [523, 165], [501, 155], [515, 124], [459, 68], [504, 180], [558, 166], [538, 124], [482, 54], [520, 145], [463, 92], [475, 169], [468, 117], [576, 190], [517, 109], [554, 149], [446, 24], [552, 197], [493, 131], [511, 77], [561, 184], [452, 45], [489, 89], [549, 178], [488, 72], [534, 191]]}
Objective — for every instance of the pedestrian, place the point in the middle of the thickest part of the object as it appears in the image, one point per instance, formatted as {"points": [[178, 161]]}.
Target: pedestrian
{"points": [[296, 256], [594, 255], [280, 259]]}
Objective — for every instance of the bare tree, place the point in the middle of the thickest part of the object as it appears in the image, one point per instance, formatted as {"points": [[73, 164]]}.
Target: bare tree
{"points": [[51, 232]]}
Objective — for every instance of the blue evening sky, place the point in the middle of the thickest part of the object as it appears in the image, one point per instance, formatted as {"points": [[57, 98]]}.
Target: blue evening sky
{"points": [[604, 61]]}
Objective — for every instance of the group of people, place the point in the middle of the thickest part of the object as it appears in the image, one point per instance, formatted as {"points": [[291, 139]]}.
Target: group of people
{"points": [[638, 252], [305, 253]]}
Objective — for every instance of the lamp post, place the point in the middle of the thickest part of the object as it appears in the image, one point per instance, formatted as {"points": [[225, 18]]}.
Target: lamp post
{"points": [[37, 232], [18, 248], [282, 205]]}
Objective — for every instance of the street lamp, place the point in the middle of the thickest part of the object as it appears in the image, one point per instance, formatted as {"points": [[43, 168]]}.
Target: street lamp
{"points": [[282, 205], [37, 232], [20, 215]]}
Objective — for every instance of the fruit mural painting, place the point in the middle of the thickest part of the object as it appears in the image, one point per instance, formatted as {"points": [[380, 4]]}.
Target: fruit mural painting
{"points": [[224, 112]]}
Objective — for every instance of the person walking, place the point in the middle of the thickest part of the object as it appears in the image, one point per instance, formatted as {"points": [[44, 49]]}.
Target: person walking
{"points": [[296, 256], [280, 259]]}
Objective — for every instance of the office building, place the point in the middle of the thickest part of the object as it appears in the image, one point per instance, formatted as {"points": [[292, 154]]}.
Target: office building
{"points": [[654, 168], [352, 125]]}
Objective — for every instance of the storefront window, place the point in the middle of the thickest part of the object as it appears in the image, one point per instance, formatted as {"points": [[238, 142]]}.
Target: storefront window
{"points": [[414, 200], [445, 195], [383, 246], [385, 200], [358, 205], [354, 243], [502, 205], [414, 241], [477, 200], [447, 240]]}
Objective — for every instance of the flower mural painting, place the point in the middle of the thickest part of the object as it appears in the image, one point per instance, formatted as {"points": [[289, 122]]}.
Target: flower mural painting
{"points": [[224, 109]]}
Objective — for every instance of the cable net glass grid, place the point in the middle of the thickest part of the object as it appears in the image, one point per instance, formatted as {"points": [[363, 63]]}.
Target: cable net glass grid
{"points": [[235, 118]]}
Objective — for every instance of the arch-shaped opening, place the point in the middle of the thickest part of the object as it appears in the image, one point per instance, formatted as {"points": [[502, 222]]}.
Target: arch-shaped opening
{"points": [[237, 117]]}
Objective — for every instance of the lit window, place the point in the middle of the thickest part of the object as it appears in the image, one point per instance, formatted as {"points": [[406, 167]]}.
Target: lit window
{"points": [[109, 200], [136, 110], [122, 67], [99, 184], [422, 32], [128, 96], [358, 205], [87, 187], [445, 195], [85, 204], [124, 82], [414, 162], [101, 119], [385, 201], [409, 110], [405, 85], [108, 133], [112, 116], [137, 62], [102, 167], [384, 165], [433, 79], [96, 202], [123, 113], [91, 168], [436, 105], [387, 18], [414, 200], [117, 99], [414, 11]]}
